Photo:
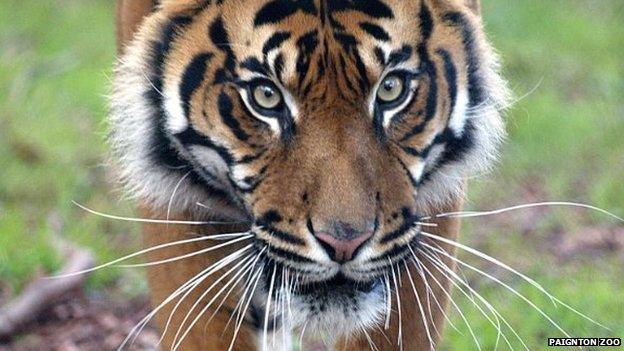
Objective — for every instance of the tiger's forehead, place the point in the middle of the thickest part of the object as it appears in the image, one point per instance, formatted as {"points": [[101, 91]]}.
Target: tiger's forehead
{"points": [[294, 40]]}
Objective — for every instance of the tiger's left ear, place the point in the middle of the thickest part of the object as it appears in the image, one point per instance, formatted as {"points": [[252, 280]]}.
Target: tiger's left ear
{"points": [[474, 5]]}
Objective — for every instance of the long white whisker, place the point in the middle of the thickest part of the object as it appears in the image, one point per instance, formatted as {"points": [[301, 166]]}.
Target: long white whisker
{"points": [[187, 285], [397, 294], [267, 309], [468, 214], [452, 276], [433, 296], [248, 270], [153, 221], [173, 193], [139, 253], [388, 302], [535, 284], [203, 311], [422, 312], [246, 286], [448, 295], [369, 339], [208, 273], [244, 310], [514, 291], [192, 254], [436, 259]]}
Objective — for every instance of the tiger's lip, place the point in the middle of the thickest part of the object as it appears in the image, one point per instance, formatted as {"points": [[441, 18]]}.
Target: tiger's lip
{"points": [[338, 283]]}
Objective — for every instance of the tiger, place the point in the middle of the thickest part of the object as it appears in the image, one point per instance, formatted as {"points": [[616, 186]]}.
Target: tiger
{"points": [[291, 154]]}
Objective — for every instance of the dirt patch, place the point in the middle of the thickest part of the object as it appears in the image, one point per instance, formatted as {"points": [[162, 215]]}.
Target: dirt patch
{"points": [[86, 324], [588, 241]]}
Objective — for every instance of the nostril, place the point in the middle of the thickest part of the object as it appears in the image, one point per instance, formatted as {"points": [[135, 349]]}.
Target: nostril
{"points": [[342, 249]]}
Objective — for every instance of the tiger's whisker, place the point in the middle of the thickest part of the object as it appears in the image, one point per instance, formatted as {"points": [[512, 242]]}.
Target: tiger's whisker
{"points": [[192, 254], [267, 309], [436, 259], [431, 296], [398, 297], [422, 312], [468, 214], [190, 290], [514, 291], [200, 276], [243, 311], [369, 339], [424, 269], [247, 272], [154, 221], [178, 341], [388, 301], [173, 193], [531, 281], [145, 251], [454, 279]]}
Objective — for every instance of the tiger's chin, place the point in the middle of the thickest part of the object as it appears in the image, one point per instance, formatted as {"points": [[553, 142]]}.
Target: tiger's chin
{"points": [[332, 308]]}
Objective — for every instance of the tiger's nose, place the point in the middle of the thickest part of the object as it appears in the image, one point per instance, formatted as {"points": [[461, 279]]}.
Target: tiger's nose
{"points": [[341, 240]]}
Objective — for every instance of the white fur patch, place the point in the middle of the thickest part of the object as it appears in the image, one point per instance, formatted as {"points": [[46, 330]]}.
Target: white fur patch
{"points": [[458, 116]]}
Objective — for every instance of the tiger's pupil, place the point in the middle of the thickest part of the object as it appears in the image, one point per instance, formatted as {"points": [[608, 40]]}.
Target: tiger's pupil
{"points": [[267, 97], [391, 89]]}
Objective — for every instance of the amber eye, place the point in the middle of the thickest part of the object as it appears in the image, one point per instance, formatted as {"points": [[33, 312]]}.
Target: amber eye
{"points": [[391, 89], [267, 96]]}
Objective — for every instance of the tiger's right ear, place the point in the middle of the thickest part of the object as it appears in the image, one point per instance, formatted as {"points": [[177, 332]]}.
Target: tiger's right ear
{"points": [[474, 5]]}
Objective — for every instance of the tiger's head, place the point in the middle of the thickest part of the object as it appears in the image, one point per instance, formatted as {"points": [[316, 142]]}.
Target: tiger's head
{"points": [[333, 126]]}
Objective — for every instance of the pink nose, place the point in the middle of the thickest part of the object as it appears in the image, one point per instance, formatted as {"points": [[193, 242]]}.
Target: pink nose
{"points": [[342, 243]]}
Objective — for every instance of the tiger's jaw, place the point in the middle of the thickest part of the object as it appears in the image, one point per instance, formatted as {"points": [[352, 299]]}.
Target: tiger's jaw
{"points": [[329, 309], [344, 299]]}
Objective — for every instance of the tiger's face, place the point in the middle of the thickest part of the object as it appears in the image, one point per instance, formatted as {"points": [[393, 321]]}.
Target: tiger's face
{"points": [[334, 126]]}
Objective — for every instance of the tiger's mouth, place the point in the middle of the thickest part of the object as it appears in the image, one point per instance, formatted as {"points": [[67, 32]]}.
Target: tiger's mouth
{"points": [[339, 284]]}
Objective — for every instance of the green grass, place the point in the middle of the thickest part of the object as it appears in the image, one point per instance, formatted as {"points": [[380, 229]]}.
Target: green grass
{"points": [[565, 144], [55, 58]]}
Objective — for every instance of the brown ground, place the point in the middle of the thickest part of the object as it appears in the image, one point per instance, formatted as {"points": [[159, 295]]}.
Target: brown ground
{"points": [[86, 324]]}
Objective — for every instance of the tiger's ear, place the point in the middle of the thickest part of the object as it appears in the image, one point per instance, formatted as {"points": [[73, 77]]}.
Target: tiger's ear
{"points": [[474, 5]]}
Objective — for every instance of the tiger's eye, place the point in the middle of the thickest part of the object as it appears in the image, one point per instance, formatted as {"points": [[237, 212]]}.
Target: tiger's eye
{"points": [[390, 89], [267, 96]]}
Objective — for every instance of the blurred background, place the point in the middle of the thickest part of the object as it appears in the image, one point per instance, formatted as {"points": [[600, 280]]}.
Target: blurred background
{"points": [[564, 60]]}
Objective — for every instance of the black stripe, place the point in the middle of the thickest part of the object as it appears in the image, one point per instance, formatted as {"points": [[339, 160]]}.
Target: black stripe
{"points": [[219, 37], [279, 68], [375, 31], [476, 90], [275, 41], [252, 64], [428, 67], [191, 137], [450, 73], [401, 55], [225, 110], [282, 253], [408, 223], [306, 44], [281, 235], [278, 10], [372, 8], [192, 78]]}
